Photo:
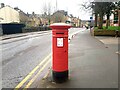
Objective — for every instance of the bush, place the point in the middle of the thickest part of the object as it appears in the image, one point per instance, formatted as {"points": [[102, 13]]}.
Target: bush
{"points": [[109, 28], [111, 31], [113, 28]]}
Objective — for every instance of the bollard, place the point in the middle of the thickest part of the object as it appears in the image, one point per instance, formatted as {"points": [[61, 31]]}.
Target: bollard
{"points": [[60, 52]]}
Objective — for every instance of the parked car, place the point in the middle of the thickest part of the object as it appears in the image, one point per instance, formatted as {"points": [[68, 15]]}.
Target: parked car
{"points": [[86, 26]]}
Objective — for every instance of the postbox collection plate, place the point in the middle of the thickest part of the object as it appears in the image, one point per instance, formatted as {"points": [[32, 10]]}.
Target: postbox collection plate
{"points": [[59, 42]]}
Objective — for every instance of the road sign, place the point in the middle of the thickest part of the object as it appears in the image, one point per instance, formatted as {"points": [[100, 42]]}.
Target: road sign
{"points": [[91, 18]]}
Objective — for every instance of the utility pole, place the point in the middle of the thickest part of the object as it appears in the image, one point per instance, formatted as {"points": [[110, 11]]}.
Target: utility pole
{"points": [[56, 5]]}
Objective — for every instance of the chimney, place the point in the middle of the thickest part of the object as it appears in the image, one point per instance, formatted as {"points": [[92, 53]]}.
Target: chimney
{"points": [[16, 8], [2, 5]]}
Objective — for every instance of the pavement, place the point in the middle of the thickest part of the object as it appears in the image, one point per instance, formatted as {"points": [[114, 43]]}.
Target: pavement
{"points": [[92, 64]]}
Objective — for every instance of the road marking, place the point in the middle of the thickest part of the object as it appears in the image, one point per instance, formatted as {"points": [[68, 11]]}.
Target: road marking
{"points": [[34, 78], [45, 76], [31, 73]]}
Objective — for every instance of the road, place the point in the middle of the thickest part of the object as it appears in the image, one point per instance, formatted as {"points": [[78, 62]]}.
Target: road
{"points": [[20, 55]]}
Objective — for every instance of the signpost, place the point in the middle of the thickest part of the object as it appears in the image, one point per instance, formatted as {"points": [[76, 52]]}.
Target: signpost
{"points": [[91, 24]]}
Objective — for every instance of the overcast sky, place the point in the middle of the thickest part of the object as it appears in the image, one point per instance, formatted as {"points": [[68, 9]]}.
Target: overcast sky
{"points": [[72, 6]]}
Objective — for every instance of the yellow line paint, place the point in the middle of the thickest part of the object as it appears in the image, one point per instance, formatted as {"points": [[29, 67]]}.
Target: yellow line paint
{"points": [[31, 73], [46, 74], [34, 78]]}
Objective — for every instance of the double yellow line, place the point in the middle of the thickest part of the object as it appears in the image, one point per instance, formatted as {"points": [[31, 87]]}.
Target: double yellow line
{"points": [[46, 61]]}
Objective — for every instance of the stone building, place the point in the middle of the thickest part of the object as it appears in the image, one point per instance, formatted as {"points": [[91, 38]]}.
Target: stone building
{"points": [[12, 15]]}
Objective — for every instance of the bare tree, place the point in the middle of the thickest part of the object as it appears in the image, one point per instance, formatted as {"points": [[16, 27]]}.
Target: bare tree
{"points": [[49, 8], [44, 8], [47, 11], [101, 9]]}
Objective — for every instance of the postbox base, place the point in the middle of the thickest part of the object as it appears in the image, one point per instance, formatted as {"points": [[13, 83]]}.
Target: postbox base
{"points": [[60, 77]]}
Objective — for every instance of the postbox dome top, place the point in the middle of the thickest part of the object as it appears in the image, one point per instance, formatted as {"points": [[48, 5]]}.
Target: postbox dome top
{"points": [[60, 25]]}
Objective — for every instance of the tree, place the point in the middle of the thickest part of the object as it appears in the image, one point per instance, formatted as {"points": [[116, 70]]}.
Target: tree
{"points": [[109, 6], [90, 6], [119, 12], [44, 9], [99, 10], [117, 7], [95, 11], [47, 11]]}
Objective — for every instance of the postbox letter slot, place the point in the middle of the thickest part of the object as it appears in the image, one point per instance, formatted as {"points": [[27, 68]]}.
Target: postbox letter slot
{"points": [[60, 33]]}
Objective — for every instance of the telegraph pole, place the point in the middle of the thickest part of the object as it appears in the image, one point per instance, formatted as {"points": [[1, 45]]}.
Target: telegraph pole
{"points": [[56, 5]]}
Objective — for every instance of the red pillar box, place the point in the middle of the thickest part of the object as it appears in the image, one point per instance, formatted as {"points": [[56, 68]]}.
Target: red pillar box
{"points": [[60, 51]]}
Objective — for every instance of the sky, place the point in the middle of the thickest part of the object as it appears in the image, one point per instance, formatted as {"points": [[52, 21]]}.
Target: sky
{"points": [[72, 6]]}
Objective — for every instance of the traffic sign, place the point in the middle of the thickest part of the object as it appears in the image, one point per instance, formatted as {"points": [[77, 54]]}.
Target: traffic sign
{"points": [[91, 18]]}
